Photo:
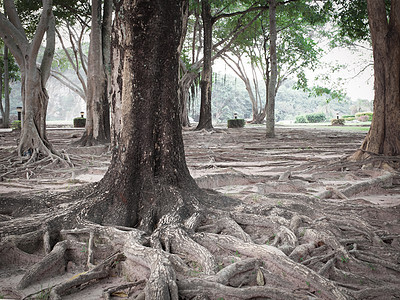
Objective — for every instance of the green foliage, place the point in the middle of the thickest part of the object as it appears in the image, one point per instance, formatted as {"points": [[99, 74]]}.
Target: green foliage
{"points": [[16, 125], [364, 116], [316, 118], [352, 20], [13, 69], [337, 122], [236, 123], [301, 119], [331, 93], [229, 96], [29, 12]]}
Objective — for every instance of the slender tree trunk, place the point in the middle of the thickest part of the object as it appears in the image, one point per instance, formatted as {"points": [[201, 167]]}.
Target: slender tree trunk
{"points": [[184, 86], [97, 129], [6, 117], [270, 110], [384, 134], [148, 163], [1, 96], [205, 121]]}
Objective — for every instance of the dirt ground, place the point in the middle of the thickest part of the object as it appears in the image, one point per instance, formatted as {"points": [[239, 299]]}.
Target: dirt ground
{"points": [[299, 163]]}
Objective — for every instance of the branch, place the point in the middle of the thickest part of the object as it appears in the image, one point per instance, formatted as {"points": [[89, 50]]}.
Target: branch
{"points": [[68, 83], [11, 12], [49, 51], [13, 38], [228, 15], [235, 35], [40, 31], [66, 51]]}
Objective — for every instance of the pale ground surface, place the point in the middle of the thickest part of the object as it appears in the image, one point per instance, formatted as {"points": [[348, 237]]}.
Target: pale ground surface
{"points": [[237, 162]]}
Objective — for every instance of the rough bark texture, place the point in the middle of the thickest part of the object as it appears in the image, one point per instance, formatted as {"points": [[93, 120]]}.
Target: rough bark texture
{"points": [[270, 108], [148, 158], [205, 121], [384, 137], [97, 129]]}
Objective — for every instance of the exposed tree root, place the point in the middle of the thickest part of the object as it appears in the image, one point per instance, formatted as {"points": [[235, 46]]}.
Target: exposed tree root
{"points": [[282, 246]]}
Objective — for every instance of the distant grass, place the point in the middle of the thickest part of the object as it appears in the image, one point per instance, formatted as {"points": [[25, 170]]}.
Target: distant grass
{"points": [[361, 126]]}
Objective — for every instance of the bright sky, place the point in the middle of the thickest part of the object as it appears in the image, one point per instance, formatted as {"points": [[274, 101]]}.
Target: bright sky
{"points": [[357, 74]]}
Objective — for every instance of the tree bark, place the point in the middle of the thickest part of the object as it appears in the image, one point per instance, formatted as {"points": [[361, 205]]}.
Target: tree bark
{"points": [[383, 137], [6, 116], [97, 129], [148, 168], [205, 121], [270, 109]]}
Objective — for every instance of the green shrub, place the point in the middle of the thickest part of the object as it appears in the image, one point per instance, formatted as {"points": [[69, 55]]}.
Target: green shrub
{"points": [[79, 122], [337, 122], [300, 119], [349, 116], [16, 125], [367, 113], [236, 123], [316, 118]]}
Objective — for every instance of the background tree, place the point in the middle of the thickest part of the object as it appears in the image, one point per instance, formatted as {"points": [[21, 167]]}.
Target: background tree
{"points": [[298, 24], [228, 10], [5, 110], [192, 63], [97, 128], [33, 142], [9, 72], [270, 108], [23, 32]]}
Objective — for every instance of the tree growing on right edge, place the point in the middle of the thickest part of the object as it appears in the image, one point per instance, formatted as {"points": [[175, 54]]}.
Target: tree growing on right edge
{"points": [[383, 137]]}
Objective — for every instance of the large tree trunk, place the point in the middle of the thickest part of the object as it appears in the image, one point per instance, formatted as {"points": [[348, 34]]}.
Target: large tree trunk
{"points": [[205, 121], [384, 135], [97, 108], [270, 109], [148, 162]]}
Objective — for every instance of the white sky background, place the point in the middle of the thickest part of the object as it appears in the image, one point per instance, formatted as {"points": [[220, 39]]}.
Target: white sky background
{"points": [[358, 75]]}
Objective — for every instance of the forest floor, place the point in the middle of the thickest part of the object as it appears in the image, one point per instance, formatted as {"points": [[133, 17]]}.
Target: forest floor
{"points": [[299, 164]]}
